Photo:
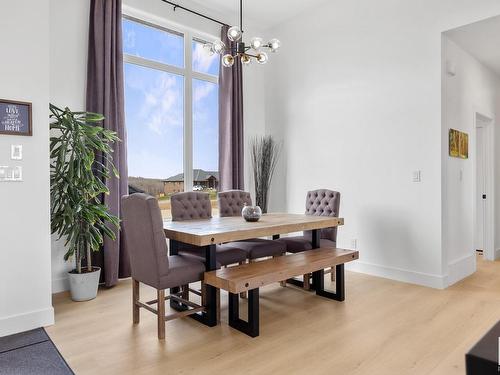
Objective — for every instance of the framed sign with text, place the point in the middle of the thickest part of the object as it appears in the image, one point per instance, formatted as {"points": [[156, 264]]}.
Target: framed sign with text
{"points": [[15, 118]]}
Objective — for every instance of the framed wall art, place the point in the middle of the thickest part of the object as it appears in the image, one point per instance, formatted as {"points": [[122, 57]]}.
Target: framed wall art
{"points": [[15, 118], [458, 144]]}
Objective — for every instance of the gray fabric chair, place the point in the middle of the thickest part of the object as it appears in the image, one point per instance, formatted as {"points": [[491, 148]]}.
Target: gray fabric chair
{"points": [[230, 204], [149, 260], [197, 206], [321, 202]]}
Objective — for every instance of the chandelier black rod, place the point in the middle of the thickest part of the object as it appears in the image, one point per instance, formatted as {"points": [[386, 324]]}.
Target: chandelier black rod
{"points": [[241, 15], [197, 13]]}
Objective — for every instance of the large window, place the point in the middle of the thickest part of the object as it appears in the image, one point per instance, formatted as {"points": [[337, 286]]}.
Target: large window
{"points": [[171, 109]]}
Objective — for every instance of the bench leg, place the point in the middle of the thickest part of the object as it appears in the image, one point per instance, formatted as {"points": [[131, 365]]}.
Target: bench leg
{"points": [[319, 284], [251, 327]]}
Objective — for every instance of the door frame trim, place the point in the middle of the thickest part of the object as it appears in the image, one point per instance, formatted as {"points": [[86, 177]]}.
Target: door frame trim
{"points": [[487, 122]]}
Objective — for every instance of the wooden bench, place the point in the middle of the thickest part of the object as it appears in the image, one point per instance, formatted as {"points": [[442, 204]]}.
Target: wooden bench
{"points": [[250, 277]]}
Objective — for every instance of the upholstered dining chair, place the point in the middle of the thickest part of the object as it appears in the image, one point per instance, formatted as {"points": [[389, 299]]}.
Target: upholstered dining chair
{"points": [[322, 202], [231, 203], [197, 206], [150, 263]]}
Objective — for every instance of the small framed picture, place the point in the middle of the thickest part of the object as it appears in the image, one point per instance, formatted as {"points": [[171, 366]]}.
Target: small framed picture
{"points": [[15, 118], [16, 152]]}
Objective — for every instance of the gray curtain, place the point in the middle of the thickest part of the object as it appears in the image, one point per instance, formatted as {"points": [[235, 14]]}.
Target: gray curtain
{"points": [[105, 95], [231, 146]]}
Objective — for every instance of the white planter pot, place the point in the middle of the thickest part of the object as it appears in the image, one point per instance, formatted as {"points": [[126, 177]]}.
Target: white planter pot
{"points": [[83, 286]]}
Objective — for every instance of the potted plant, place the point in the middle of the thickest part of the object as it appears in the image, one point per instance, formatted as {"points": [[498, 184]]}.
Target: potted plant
{"points": [[81, 160], [265, 152]]}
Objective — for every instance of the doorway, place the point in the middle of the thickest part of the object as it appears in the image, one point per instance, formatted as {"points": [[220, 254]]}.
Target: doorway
{"points": [[483, 189]]}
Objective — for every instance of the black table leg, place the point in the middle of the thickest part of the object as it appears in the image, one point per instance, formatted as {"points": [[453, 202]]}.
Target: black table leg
{"points": [[174, 247], [174, 250], [208, 317], [251, 327], [315, 241]]}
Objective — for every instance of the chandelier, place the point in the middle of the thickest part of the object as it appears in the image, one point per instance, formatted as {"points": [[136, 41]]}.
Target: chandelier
{"points": [[245, 52]]}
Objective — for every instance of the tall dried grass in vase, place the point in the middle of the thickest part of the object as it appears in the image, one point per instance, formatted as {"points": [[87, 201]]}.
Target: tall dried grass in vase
{"points": [[265, 152]]}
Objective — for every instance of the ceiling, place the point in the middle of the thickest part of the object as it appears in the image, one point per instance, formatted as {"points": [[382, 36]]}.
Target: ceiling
{"points": [[259, 13], [482, 40]]}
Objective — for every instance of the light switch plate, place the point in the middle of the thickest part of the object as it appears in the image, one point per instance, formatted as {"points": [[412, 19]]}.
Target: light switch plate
{"points": [[3, 172], [11, 174], [16, 152], [17, 173]]}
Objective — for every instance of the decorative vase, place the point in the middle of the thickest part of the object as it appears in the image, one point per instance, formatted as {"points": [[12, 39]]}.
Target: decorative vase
{"points": [[251, 213], [83, 286]]}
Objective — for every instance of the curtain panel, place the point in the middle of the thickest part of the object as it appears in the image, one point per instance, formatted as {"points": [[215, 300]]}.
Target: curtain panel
{"points": [[231, 140], [105, 95]]}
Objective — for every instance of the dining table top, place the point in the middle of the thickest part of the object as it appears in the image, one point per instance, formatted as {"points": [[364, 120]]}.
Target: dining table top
{"points": [[227, 229]]}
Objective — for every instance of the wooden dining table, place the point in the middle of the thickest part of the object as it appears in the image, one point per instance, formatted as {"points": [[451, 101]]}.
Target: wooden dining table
{"points": [[207, 233]]}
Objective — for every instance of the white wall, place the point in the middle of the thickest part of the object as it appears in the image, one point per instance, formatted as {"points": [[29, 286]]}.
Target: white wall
{"points": [[68, 68], [356, 96], [25, 292], [68, 50], [497, 173], [473, 89]]}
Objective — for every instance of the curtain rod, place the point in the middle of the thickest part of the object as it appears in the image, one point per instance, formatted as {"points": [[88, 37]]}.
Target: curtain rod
{"points": [[194, 12]]}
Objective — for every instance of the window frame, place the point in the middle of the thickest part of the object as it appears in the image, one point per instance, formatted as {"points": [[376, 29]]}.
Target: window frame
{"points": [[189, 36]]}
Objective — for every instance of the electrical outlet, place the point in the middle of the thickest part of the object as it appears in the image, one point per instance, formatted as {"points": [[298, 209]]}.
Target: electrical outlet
{"points": [[354, 244], [417, 176]]}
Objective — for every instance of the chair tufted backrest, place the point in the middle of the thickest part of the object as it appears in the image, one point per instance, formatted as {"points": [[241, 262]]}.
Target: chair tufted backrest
{"points": [[324, 202], [191, 205], [231, 202], [145, 239]]}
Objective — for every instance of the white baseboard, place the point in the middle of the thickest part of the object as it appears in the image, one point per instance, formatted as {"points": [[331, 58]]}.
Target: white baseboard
{"points": [[25, 322], [497, 254], [460, 269], [399, 274], [60, 285]]}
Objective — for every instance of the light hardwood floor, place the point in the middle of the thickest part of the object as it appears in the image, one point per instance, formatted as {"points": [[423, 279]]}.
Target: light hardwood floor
{"points": [[383, 327]]}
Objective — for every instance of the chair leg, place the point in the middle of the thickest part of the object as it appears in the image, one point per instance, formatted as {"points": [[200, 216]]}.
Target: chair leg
{"points": [[185, 292], [135, 299], [161, 314], [282, 282], [332, 274], [307, 281], [243, 294]]}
